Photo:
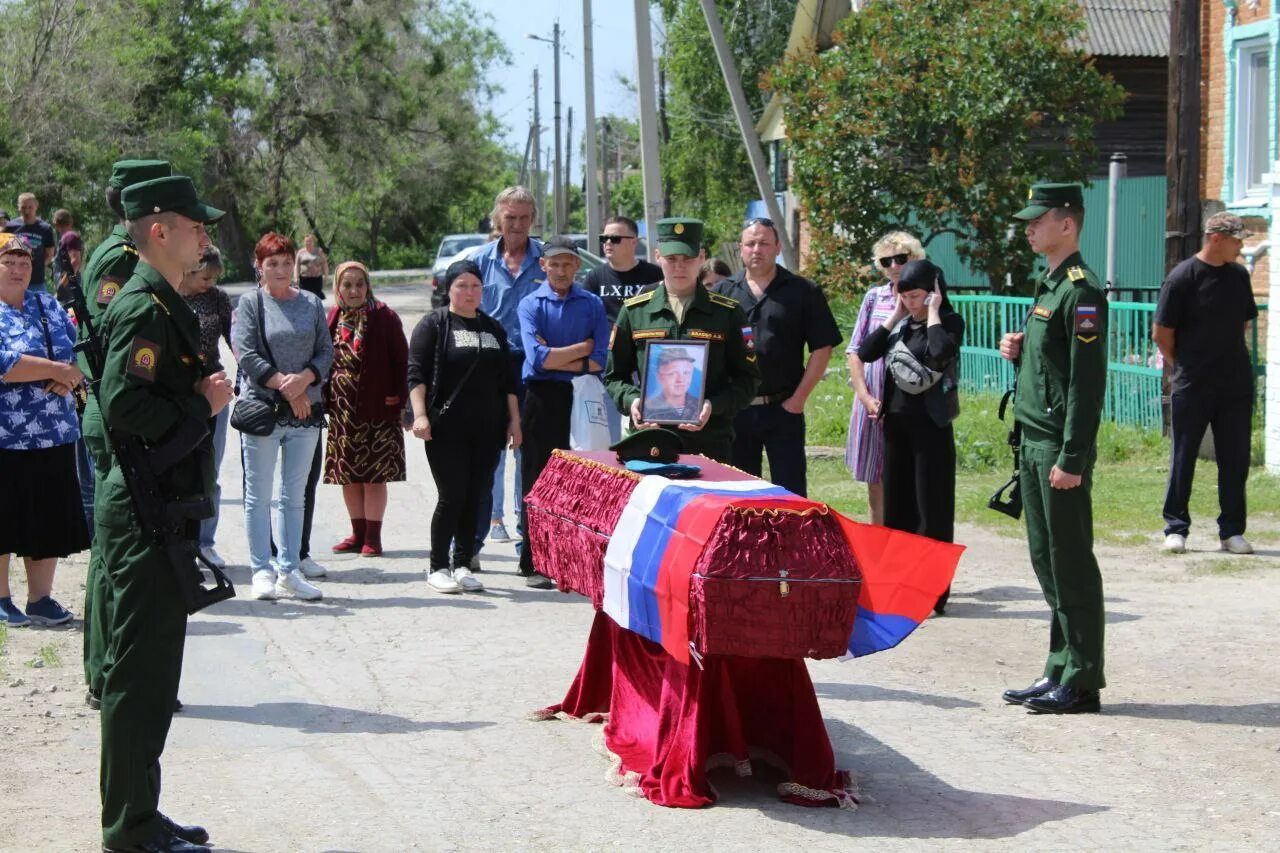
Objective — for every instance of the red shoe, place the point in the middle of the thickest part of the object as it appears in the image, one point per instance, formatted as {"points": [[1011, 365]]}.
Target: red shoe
{"points": [[355, 541], [372, 539]]}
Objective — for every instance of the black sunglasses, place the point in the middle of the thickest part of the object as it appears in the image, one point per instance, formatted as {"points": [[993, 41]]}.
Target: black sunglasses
{"points": [[900, 260], [759, 220], [615, 239]]}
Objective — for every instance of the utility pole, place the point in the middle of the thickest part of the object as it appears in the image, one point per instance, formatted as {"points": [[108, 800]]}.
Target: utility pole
{"points": [[1182, 152], [556, 182], [592, 202], [524, 164], [568, 170], [750, 139], [649, 167], [605, 210], [537, 160]]}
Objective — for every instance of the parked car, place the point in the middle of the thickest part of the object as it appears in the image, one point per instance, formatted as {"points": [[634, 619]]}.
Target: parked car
{"points": [[451, 247], [590, 261]]}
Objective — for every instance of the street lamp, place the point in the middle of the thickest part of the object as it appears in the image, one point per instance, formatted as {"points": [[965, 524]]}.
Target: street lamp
{"points": [[554, 41]]}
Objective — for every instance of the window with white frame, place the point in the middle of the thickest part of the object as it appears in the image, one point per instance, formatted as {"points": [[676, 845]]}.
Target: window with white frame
{"points": [[1252, 122]]}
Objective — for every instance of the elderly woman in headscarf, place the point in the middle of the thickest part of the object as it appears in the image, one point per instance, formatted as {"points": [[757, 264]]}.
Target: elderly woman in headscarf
{"points": [[41, 518], [364, 398], [464, 408]]}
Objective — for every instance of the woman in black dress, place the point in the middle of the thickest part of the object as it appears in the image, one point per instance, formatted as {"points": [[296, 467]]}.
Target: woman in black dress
{"points": [[920, 343], [464, 408]]}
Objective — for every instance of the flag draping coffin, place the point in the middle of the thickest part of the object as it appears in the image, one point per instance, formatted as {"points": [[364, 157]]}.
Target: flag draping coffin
{"points": [[732, 568]]}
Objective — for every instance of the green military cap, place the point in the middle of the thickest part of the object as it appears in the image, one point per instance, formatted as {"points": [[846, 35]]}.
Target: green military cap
{"points": [[670, 354], [678, 236], [655, 444], [1044, 197], [126, 172], [175, 193]]}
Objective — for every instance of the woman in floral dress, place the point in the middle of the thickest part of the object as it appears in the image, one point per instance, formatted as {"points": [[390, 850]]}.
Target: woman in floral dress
{"points": [[364, 398]]}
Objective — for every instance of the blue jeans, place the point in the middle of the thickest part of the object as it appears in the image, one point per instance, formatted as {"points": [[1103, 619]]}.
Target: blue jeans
{"points": [[295, 446], [209, 527], [492, 500]]}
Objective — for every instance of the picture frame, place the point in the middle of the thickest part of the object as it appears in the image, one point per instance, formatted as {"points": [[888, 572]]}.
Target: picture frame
{"points": [[673, 384]]}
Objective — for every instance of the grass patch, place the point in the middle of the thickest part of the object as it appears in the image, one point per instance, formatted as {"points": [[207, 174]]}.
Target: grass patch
{"points": [[1225, 566], [46, 656], [4, 639]]}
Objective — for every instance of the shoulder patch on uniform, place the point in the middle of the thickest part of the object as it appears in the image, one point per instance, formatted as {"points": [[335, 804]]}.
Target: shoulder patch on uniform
{"points": [[1086, 339], [1076, 274], [699, 334], [639, 300], [749, 338], [643, 334], [108, 287], [721, 299], [1086, 319], [144, 358]]}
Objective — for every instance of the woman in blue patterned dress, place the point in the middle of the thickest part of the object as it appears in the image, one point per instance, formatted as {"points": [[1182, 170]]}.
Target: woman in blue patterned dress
{"points": [[41, 517], [864, 448]]}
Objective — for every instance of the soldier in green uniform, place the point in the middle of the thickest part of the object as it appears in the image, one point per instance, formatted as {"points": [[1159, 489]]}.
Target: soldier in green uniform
{"points": [[1062, 374], [681, 309], [669, 399], [108, 268], [155, 389]]}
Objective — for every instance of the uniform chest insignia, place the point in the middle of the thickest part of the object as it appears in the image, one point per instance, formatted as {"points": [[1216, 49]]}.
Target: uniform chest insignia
{"points": [[699, 334], [1042, 312], [645, 334], [144, 359], [1076, 274], [108, 287], [1086, 319]]}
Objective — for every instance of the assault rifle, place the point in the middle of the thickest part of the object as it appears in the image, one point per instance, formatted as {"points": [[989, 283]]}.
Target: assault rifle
{"points": [[169, 522]]}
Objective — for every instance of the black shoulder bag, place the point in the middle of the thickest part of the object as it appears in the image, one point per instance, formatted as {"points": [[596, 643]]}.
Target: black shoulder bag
{"points": [[434, 413], [250, 416]]}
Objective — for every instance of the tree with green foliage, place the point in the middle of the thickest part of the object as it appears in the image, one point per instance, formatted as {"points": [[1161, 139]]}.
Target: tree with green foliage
{"points": [[936, 116], [705, 169]]}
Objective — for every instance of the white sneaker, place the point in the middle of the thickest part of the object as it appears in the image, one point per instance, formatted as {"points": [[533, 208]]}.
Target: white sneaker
{"points": [[311, 569], [213, 557], [264, 585], [468, 581], [441, 581], [294, 583], [1175, 543], [1237, 545]]}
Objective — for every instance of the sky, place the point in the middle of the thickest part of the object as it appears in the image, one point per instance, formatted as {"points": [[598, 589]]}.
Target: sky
{"points": [[613, 54]]}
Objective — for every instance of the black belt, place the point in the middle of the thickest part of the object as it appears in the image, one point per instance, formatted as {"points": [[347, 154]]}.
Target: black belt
{"points": [[769, 399]]}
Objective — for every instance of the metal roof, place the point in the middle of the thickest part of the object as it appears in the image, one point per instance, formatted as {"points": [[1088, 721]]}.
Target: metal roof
{"points": [[1126, 27]]}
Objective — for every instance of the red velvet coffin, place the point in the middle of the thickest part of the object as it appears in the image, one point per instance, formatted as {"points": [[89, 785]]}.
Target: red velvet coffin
{"points": [[768, 583]]}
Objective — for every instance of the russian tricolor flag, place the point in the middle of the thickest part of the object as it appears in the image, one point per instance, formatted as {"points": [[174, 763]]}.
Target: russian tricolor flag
{"points": [[666, 524]]}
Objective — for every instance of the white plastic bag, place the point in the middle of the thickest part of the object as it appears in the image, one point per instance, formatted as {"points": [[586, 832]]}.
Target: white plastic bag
{"points": [[589, 422]]}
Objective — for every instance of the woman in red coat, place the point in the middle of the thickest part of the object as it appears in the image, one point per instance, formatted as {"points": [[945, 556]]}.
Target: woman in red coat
{"points": [[364, 399]]}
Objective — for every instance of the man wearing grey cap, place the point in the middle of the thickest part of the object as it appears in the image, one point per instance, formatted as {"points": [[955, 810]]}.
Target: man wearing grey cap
{"points": [[1202, 319]]}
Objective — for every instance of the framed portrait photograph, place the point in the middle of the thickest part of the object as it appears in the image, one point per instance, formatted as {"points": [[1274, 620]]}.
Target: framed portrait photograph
{"points": [[674, 383]]}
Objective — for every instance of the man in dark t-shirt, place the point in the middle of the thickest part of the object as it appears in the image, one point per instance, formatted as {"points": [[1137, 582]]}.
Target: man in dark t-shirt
{"points": [[37, 233], [70, 249], [623, 277], [1205, 308]]}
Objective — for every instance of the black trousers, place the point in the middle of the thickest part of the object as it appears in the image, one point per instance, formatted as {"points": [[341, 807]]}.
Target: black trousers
{"points": [[548, 409], [308, 502], [920, 480], [771, 429], [1231, 416], [462, 467], [486, 497]]}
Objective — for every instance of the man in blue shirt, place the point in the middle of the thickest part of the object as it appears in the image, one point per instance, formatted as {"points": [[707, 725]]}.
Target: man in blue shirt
{"points": [[564, 332], [509, 271]]}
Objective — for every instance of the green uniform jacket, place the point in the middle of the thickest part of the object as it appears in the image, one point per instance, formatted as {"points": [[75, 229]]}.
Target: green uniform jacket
{"points": [[732, 374], [109, 267], [1062, 375], [148, 385]]}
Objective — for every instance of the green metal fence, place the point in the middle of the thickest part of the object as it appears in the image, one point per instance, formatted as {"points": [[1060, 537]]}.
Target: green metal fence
{"points": [[1134, 366]]}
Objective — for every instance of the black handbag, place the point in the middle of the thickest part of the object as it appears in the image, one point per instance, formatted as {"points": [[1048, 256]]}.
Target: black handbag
{"points": [[250, 416]]}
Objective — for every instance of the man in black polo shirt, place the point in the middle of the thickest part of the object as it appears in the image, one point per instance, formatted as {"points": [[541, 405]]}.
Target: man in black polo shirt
{"points": [[1202, 318], [622, 277], [786, 313]]}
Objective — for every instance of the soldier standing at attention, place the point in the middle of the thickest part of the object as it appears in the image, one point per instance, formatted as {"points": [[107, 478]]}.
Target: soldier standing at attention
{"points": [[108, 268], [1062, 374], [681, 309], [154, 389]]}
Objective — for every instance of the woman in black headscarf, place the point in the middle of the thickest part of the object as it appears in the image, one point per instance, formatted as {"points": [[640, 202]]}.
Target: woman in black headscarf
{"points": [[920, 343], [464, 408]]}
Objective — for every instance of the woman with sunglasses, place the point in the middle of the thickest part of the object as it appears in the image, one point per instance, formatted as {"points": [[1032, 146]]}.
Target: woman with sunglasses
{"points": [[864, 447]]}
